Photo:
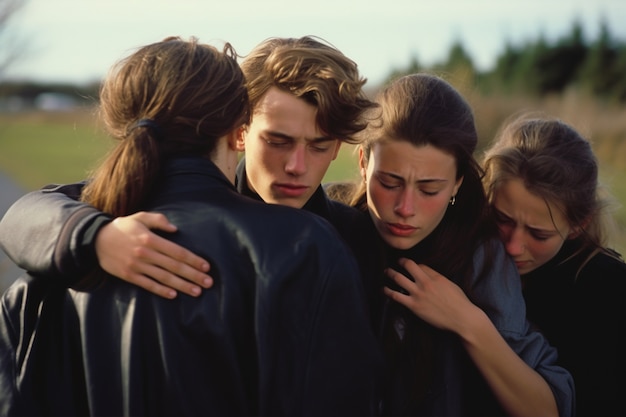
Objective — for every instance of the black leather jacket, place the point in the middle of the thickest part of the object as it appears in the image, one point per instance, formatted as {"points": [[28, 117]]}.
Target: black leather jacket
{"points": [[59, 242], [282, 332], [356, 229]]}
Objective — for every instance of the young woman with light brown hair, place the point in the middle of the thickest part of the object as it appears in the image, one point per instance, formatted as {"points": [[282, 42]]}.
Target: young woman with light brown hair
{"points": [[542, 182]]}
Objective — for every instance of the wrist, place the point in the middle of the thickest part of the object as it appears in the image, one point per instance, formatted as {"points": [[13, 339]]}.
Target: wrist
{"points": [[475, 322]]}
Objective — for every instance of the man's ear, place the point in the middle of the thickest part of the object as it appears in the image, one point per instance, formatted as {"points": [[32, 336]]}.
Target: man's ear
{"points": [[240, 142]]}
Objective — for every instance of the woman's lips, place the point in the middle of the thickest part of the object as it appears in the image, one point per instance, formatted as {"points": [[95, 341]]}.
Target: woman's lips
{"points": [[399, 229]]}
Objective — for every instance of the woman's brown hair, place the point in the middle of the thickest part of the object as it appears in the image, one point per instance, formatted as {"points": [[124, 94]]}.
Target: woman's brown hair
{"points": [[169, 98], [424, 109]]}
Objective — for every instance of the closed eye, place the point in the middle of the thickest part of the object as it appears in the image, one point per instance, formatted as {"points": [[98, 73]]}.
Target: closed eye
{"points": [[540, 235], [277, 142], [320, 146], [387, 181], [502, 218]]}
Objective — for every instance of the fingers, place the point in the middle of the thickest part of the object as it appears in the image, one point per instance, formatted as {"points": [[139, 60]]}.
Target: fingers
{"points": [[186, 276], [178, 260], [417, 272], [128, 249], [424, 271], [153, 286], [154, 221], [164, 283], [401, 280]]}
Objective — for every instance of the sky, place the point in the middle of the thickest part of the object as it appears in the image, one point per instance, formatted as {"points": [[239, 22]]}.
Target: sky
{"points": [[76, 41]]}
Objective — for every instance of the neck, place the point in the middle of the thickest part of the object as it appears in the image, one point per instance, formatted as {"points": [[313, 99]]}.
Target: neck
{"points": [[225, 158]]}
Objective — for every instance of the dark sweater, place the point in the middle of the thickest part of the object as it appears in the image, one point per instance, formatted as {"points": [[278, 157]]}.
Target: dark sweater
{"points": [[583, 315]]}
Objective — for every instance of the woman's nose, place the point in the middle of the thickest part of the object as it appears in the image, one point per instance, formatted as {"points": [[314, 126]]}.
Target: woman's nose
{"points": [[405, 206]]}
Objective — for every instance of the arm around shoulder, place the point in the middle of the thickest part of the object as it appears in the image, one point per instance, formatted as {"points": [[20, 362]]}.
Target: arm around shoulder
{"points": [[48, 232]]}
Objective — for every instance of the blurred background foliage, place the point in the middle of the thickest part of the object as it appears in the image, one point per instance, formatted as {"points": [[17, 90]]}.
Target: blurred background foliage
{"points": [[49, 133]]}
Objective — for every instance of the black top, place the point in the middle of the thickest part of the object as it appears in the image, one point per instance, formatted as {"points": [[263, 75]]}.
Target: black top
{"points": [[272, 337], [354, 226], [583, 315]]}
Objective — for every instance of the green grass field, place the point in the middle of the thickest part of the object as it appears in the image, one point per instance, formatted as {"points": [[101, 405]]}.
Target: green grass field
{"points": [[42, 148]]}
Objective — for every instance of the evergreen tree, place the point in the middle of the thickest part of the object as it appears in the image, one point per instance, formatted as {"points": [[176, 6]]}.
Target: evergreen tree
{"points": [[503, 75], [598, 74], [528, 76], [459, 67], [619, 89]]}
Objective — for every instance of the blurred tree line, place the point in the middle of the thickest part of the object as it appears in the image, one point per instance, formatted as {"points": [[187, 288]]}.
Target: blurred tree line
{"points": [[540, 67], [29, 91], [537, 68]]}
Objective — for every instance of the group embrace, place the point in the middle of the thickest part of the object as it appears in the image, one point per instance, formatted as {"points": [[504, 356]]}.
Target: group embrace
{"points": [[182, 279]]}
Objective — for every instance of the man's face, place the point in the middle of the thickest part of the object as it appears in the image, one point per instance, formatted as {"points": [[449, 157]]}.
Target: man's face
{"points": [[286, 154]]}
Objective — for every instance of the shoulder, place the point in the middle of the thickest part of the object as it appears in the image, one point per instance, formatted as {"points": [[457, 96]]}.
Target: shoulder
{"points": [[490, 253], [337, 195], [289, 222], [605, 269], [496, 286], [345, 212], [71, 190]]}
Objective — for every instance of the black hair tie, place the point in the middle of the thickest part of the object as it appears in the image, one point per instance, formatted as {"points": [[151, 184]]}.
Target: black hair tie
{"points": [[148, 124]]}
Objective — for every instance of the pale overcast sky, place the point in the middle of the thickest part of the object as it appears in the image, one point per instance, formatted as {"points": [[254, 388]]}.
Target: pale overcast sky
{"points": [[78, 40]]}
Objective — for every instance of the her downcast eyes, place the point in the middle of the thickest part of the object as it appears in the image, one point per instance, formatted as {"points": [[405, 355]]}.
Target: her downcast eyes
{"points": [[388, 183], [388, 186], [502, 219], [539, 236], [393, 185], [430, 193]]}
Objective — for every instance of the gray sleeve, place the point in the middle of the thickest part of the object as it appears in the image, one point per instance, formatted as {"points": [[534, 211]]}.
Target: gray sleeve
{"points": [[499, 294], [47, 232]]}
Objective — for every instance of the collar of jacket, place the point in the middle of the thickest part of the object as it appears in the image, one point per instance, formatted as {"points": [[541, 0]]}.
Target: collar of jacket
{"points": [[178, 171], [317, 204]]}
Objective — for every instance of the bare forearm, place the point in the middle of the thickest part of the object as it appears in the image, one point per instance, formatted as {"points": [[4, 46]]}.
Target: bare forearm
{"points": [[521, 390]]}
